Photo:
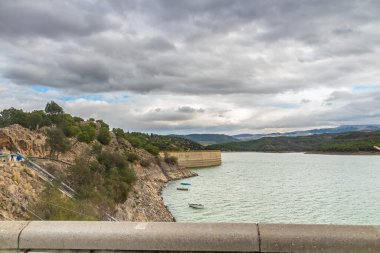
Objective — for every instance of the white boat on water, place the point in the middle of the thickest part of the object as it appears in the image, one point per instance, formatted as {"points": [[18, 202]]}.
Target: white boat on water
{"points": [[197, 206]]}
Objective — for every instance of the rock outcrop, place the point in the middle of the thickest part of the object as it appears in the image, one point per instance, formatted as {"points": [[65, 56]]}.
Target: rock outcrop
{"points": [[16, 138], [19, 186]]}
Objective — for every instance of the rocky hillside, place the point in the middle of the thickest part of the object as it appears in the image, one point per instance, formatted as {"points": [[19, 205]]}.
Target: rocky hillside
{"points": [[144, 202], [19, 186]]}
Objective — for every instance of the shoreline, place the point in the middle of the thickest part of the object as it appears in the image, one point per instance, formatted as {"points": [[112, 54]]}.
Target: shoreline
{"points": [[164, 186], [364, 153]]}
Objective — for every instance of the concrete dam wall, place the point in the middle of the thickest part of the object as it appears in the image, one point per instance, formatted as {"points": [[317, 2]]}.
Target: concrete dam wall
{"points": [[195, 159]]}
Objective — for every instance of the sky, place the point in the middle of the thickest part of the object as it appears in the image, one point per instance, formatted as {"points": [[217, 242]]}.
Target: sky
{"points": [[195, 66]]}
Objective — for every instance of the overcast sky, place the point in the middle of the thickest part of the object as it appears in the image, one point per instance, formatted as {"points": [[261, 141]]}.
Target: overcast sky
{"points": [[195, 66]]}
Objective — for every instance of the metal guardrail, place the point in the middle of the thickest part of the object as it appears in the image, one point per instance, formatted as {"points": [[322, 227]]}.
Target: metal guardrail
{"points": [[67, 190], [70, 236]]}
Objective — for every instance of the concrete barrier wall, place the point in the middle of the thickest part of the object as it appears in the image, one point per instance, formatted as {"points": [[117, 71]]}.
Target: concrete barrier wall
{"points": [[194, 159], [44, 236]]}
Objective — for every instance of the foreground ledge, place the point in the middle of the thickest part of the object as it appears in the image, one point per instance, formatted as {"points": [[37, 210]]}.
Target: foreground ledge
{"points": [[43, 236]]}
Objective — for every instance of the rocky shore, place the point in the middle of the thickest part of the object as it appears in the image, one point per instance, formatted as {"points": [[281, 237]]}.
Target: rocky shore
{"points": [[144, 201]]}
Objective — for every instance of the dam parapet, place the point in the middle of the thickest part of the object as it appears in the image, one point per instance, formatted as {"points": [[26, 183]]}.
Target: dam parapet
{"points": [[196, 159], [101, 236]]}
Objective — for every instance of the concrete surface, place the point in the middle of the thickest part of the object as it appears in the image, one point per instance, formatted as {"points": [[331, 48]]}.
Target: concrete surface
{"points": [[319, 238], [196, 159], [140, 236], [9, 233], [97, 236]]}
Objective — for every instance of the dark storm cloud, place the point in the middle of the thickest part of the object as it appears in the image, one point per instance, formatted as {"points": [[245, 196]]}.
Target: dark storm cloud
{"points": [[50, 19], [189, 109], [187, 47], [196, 65]]}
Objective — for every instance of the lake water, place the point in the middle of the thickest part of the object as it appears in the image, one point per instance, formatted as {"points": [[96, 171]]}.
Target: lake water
{"points": [[282, 188]]}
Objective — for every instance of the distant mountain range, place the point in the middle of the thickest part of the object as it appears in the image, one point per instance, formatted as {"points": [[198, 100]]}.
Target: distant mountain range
{"points": [[209, 139], [335, 130], [351, 142]]}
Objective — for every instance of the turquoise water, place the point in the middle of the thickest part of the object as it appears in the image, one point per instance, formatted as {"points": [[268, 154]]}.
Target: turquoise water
{"points": [[282, 188]]}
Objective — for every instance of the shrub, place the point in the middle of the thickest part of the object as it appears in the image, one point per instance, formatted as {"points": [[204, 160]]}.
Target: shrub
{"points": [[96, 149], [105, 181], [145, 162], [171, 160], [78, 119], [132, 157], [112, 160], [103, 124], [118, 132], [87, 133], [52, 206], [104, 136], [152, 149]]}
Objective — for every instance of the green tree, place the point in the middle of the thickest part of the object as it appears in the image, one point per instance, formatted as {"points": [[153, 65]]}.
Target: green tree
{"points": [[118, 132], [13, 116], [57, 142], [53, 108], [54, 111], [37, 119]]}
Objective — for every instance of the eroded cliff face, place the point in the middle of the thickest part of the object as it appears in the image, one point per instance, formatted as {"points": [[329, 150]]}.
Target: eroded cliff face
{"points": [[144, 201], [16, 137]]}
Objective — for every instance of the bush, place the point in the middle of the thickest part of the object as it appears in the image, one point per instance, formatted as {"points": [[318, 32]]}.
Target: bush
{"points": [[112, 160], [104, 181], [96, 149], [87, 133], [52, 206], [145, 162], [152, 149], [118, 132], [103, 124], [71, 130], [132, 157], [78, 119], [104, 136], [171, 160]]}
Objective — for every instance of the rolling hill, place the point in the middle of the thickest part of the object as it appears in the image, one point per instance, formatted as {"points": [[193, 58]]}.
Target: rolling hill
{"points": [[208, 139], [341, 142]]}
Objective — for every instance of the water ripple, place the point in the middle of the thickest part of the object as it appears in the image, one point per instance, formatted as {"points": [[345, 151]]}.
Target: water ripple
{"points": [[282, 188]]}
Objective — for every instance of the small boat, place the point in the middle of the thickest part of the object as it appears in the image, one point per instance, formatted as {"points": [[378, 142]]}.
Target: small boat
{"points": [[185, 183], [182, 189], [197, 206]]}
